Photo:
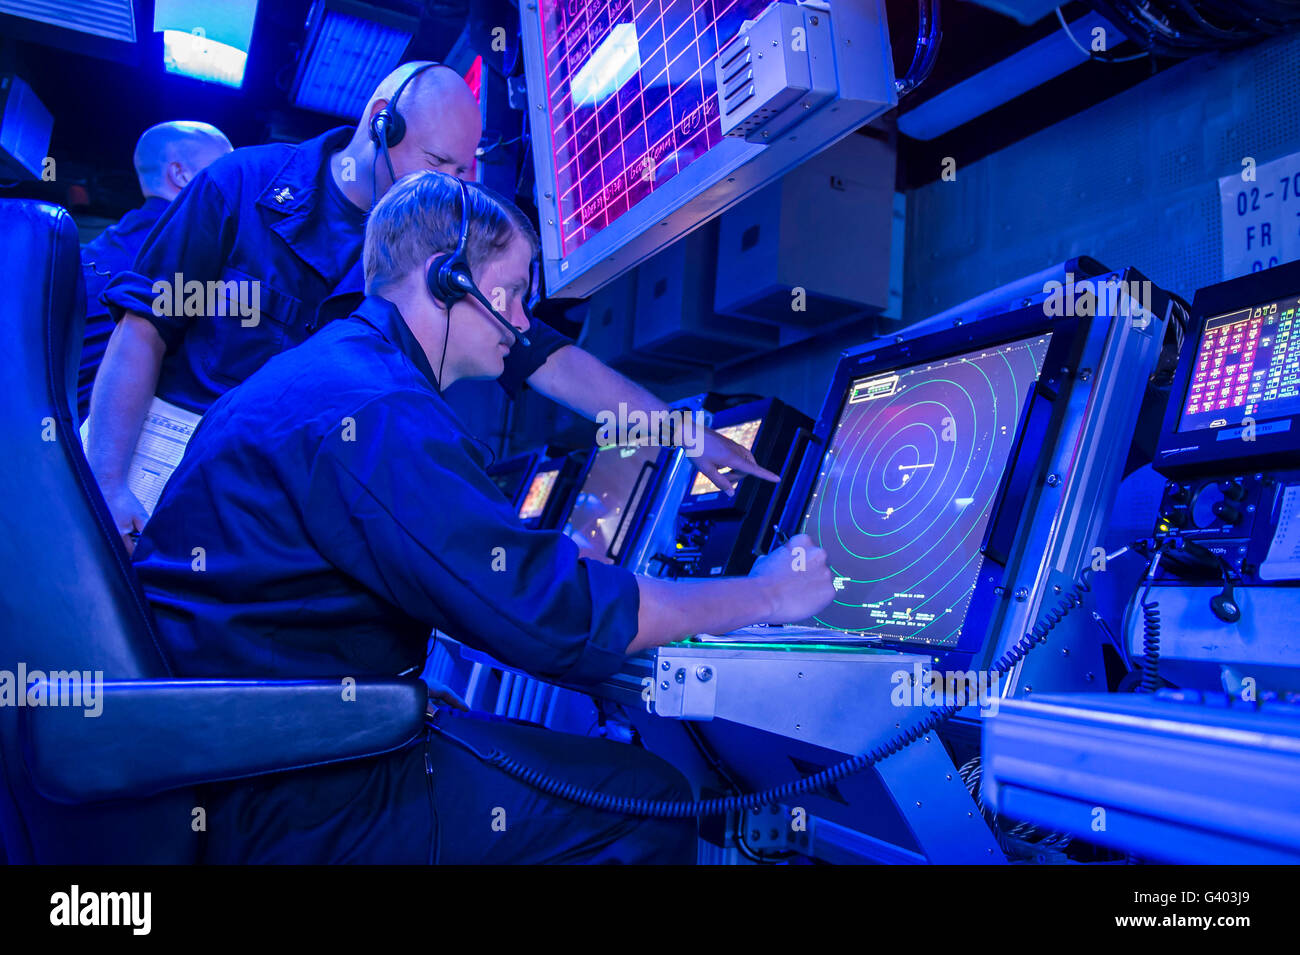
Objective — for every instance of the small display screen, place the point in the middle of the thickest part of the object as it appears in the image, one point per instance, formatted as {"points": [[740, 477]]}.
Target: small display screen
{"points": [[607, 494], [907, 487], [633, 100], [1247, 365], [743, 434], [539, 492]]}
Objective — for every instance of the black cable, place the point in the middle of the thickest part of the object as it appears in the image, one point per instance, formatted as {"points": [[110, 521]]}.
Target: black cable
{"points": [[446, 336], [1180, 28], [671, 809], [1129, 24], [1150, 664], [1206, 26], [1093, 54], [435, 848]]}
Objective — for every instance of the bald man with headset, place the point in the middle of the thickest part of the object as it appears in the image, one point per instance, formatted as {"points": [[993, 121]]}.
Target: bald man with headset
{"points": [[167, 156], [282, 226]]}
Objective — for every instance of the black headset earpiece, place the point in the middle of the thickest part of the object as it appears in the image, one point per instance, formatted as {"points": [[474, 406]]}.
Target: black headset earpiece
{"points": [[449, 280], [388, 127]]}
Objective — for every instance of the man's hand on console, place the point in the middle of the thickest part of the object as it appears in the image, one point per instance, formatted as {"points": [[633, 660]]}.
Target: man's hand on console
{"points": [[719, 452], [801, 581], [787, 585]]}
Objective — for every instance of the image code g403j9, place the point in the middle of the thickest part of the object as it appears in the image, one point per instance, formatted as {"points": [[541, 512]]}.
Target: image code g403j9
{"points": [[907, 486]]}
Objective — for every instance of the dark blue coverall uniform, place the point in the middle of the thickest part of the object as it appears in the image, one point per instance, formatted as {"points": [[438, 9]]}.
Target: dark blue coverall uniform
{"points": [[343, 512], [112, 251], [274, 214]]}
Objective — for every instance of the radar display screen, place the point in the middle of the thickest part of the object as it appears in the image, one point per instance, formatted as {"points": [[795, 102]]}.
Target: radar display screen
{"points": [[907, 485], [1247, 366], [609, 491], [632, 98], [743, 434]]}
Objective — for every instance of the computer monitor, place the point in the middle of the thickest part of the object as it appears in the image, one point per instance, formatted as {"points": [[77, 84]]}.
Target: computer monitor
{"points": [[719, 534], [1245, 365], [544, 498], [925, 472], [907, 485], [538, 495], [1236, 394], [743, 434], [626, 114], [604, 510]]}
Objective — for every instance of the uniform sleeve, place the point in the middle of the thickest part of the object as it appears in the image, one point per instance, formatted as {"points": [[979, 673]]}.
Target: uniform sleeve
{"points": [[523, 361], [192, 239], [413, 518]]}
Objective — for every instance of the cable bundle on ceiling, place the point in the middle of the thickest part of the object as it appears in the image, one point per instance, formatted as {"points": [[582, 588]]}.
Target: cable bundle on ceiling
{"points": [[1183, 28], [928, 35]]}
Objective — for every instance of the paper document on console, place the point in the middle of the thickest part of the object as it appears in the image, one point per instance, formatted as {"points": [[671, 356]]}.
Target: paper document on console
{"points": [[1283, 559], [166, 431]]}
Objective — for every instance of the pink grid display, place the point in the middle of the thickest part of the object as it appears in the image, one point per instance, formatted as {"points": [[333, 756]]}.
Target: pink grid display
{"points": [[611, 155]]}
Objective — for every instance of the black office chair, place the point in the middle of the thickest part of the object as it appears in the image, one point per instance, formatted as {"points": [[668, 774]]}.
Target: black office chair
{"points": [[120, 787]]}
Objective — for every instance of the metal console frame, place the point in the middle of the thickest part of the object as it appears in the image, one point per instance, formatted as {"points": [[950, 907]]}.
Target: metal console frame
{"points": [[1090, 394]]}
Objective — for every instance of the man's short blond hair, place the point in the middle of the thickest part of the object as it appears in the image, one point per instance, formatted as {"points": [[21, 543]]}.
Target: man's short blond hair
{"points": [[420, 216]]}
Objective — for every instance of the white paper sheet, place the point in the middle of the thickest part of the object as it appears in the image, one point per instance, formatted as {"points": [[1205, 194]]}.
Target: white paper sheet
{"points": [[166, 431]]}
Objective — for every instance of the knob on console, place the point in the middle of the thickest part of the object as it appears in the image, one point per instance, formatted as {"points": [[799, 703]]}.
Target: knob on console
{"points": [[1227, 512]]}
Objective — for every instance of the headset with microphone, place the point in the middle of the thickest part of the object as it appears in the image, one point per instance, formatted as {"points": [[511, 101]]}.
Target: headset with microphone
{"points": [[387, 127], [450, 280]]}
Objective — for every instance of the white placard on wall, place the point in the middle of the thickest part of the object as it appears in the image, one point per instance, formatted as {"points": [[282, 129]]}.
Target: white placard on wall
{"points": [[1261, 215]]}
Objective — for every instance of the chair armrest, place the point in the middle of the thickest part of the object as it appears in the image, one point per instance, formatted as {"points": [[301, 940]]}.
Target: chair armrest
{"points": [[142, 737]]}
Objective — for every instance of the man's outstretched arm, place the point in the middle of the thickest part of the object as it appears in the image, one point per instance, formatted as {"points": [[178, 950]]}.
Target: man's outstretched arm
{"points": [[470, 568], [583, 383], [787, 585]]}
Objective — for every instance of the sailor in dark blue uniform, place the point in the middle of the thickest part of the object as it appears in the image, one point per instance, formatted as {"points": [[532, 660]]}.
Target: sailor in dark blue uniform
{"points": [[167, 156], [239, 264], [332, 509]]}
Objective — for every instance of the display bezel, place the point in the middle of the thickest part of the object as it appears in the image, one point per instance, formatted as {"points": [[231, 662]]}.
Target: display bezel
{"points": [[521, 468], [748, 490], [634, 501], [1026, 462], [1276, 439], [552, 466], [728, 173]]}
